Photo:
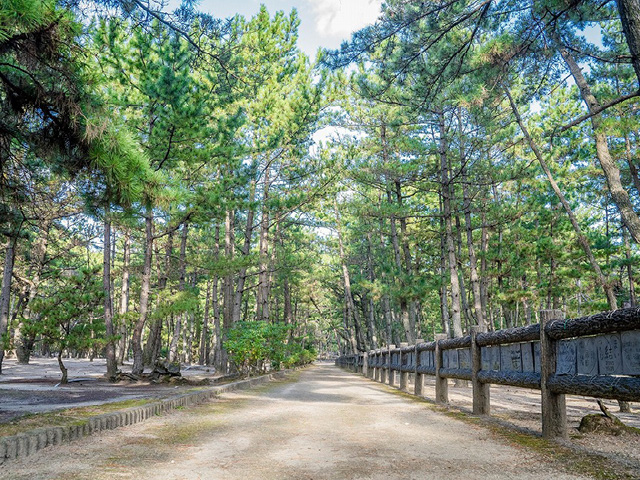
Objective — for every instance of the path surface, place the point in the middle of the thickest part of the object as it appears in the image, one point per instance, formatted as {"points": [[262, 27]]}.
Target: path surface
{"points": [[322, 424]]}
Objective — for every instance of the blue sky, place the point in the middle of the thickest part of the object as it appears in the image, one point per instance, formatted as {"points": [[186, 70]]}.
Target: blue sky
{"points": [[324, 23]]}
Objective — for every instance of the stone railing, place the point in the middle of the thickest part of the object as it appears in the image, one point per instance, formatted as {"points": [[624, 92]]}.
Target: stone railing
{"points": [[595, 356]]}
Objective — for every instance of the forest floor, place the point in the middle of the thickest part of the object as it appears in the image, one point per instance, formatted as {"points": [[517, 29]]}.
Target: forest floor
{"points": [[35, 388], [322, 423]]}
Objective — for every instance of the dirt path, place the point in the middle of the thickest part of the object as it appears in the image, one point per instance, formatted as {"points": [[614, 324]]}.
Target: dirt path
{"points": [[322, 424]]}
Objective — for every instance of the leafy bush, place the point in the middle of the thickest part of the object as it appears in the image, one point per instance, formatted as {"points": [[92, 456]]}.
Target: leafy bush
{"points": [[253, 346]]}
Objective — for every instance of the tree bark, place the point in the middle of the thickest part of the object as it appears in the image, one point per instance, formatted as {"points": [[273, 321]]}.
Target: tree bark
{"points": [[408, 265], [373, 338], [386, 302], [627, 253], [350, 312], [262, 301], [110, 348], [246, 249], [5, 294], [630, 18], [173, 346], [447, 192], [609, 166], [222, 360], [473, 261], [124, 296], [145, 289], [444, 302], [203, 356]]}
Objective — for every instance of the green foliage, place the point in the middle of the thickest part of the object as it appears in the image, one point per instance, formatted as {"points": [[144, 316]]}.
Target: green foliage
{"points": [[253, 345], [69, 315]]}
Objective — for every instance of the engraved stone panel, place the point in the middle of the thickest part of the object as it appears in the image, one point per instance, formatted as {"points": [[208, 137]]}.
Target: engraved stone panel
{"points": [[485, 355], [494, 356], [587, 351], [431, 355], [566, 357], [445, 358], [411, 360], [464, 358], [630, 352], [511, 358], [424, 358], [527, 356], [536, 357], [453, 359], [609, 354]]}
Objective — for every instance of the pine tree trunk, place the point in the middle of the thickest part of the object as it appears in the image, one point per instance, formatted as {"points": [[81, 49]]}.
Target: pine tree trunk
{"points": [[630, 18], [246, 249], [173, 346], [203, 357], [262, 301], [484, 277], [627, 253], [609, 166], [110, 348], [5, 294], [447, 194], [145, 290], [222, 360], [582, 240], [385, 301], [373, 338], [408, 265], [350, 311], [124, 296], [473, 261]]}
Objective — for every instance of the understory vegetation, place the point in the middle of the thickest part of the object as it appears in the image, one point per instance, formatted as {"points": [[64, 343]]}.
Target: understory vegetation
{"points": [[179, 187]]}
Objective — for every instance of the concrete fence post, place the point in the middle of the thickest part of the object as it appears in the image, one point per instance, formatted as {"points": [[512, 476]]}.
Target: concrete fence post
{"points": [[384, 354], [404, 376], [377, 370], [442, 385], [418, 386], [554, 407], [365, 364], [481, 391], [391, 376]]}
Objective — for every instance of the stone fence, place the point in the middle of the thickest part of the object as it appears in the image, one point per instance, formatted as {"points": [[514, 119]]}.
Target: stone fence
{"points": [[595, 356]]}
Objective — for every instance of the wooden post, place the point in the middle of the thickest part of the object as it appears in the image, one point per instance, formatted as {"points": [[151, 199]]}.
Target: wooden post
{"points": [[404, 376], [554, 408], [481, 391], [391, 375], [442, 385], [418, 386]]}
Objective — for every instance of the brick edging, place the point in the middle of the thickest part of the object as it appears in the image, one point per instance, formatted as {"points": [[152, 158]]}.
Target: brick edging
{"points": [[28, 443]]}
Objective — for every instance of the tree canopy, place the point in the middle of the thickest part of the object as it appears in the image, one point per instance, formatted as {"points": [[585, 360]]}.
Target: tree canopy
{"points": [[183, 188]]}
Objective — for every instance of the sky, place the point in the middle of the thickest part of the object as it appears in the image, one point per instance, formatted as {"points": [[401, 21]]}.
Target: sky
{"points": [[323, 23]]}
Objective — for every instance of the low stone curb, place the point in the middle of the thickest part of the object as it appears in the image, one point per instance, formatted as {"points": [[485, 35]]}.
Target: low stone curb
{"points": [[28, 443]]}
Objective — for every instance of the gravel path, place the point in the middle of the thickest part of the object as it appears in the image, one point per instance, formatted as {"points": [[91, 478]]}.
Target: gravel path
{"points": [[323, 423]]}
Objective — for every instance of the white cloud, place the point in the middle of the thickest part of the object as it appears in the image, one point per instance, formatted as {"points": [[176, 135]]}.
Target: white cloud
{"points": [[339, 18]]}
